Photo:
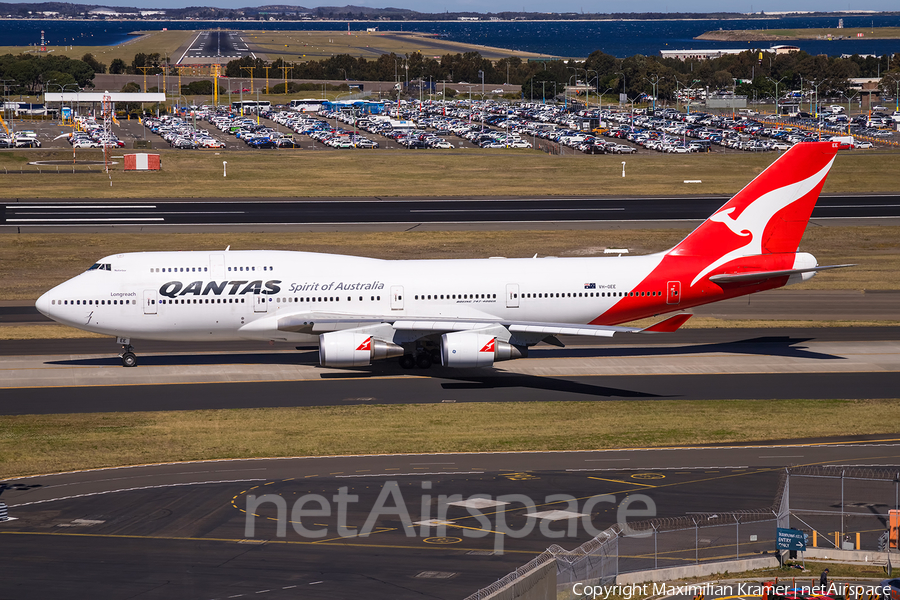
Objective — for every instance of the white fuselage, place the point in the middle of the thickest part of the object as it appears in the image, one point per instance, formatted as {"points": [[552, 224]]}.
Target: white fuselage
{"points": [[231, 295]]}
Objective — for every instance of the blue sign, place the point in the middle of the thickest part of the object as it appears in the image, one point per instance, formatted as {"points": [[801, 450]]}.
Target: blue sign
{"points": [[790, 539]]}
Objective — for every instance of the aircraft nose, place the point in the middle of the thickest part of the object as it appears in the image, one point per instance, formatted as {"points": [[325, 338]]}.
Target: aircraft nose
{"points": [[43, 305]]}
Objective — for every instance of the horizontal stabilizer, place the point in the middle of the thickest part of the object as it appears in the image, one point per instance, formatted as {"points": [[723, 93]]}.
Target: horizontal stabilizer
{"points": [[669, 325], [763, 275]]}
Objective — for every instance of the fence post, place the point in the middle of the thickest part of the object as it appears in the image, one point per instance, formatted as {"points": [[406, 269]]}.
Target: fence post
{"points": [[696, 540], [655, 547], [842, 507], [737, 537]]}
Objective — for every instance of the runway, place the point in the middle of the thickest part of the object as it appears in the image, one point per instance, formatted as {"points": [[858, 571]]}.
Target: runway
{"points": [[214, 46], [183, 531], [407, 212]]}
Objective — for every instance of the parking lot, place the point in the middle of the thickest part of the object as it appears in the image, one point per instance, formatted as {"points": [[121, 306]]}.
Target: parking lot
{"points": [[555, 129]]}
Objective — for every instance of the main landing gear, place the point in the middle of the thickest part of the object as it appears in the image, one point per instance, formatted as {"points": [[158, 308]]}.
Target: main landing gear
{"points": [[129, 359], [424, 359]]}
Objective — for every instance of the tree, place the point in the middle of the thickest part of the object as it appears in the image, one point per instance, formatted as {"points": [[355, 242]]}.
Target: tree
{"points": [[117, 66], [131, 88], [93, 63]]}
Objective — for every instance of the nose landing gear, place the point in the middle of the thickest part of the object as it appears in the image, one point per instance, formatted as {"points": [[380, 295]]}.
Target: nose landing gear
{"points": [[129, 359]]}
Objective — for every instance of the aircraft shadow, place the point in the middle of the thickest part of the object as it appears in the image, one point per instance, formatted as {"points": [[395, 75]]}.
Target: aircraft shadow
{"points": [[784, 346], [183, 360]]}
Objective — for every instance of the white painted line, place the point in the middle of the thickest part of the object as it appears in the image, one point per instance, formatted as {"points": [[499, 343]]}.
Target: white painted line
{"points": [[556, 515], [133, 489], [186, 51], [408, 474], [720, 467], [80, 220], [75, 206], [513, 210], [781, 456], [478, 503]]}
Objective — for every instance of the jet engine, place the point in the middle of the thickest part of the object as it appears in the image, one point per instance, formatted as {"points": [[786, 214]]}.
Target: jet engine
{"points": [[354, 349], [470, 349]]}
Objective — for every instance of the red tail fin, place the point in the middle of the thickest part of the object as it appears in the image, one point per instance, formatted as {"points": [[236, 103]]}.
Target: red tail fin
{"points": [[770, 214]]}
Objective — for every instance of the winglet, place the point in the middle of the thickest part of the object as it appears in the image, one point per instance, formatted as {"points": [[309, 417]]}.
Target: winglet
{"points": [[669, 325]]}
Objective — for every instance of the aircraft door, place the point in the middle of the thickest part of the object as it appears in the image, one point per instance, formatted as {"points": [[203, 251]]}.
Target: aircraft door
{"points": [[512, 295], [260, 303], [673, 292], [396, 297], [217, 266], [149, 302]]}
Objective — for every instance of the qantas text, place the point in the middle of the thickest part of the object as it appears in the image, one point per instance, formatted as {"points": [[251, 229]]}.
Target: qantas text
{"points": [[218, 288]]}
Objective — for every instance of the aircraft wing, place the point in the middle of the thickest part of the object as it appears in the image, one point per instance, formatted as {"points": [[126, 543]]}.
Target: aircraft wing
{"points": [[314, 323]]}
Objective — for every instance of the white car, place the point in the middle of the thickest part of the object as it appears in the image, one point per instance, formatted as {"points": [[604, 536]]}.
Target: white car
{"points": [[864, 145], [86, 144], [443, 145]]}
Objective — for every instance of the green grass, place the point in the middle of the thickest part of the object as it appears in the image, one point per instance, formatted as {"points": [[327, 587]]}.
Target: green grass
{"points": [[460, 172], [296, 46], [33, 444], [876, 33]]}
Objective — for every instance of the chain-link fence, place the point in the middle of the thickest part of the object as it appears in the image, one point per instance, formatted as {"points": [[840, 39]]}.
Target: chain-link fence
{"points": [[836, 507], [844, 508]]}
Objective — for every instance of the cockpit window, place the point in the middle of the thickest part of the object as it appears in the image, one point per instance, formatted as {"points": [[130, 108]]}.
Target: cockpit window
{"points": [[100, 266]]}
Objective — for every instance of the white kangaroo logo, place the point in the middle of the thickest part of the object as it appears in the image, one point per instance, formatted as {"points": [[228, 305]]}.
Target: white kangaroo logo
{"points": [[753, 220]]}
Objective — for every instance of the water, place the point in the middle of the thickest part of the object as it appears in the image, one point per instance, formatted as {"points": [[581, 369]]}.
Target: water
{"points": [[559, 38]]}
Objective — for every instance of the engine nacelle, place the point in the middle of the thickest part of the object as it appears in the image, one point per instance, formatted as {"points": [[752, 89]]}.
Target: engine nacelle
{"points": [[354, 349], [464, 349]]}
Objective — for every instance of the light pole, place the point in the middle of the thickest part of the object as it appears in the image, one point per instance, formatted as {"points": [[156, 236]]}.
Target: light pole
{"points": [[849, 99], [654, 83], [896, 80], [777, 83]]}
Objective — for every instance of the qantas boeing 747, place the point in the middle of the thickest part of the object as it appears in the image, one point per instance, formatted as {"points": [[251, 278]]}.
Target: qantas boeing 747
{"points": [[461, 313]]}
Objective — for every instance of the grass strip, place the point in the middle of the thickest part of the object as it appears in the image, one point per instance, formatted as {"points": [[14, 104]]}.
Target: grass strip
{"points": [[434, 173], [32, 444]]}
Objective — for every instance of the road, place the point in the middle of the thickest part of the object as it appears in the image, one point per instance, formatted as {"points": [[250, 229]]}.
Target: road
{"points": [[182, 530], [412, 211]]}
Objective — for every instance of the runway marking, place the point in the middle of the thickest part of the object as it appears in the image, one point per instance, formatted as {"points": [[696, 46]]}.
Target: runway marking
{"points": [[411, 474], [133, 489], [782, 456], [490, 210], [83, 220], [623, 482], [76, 206]]}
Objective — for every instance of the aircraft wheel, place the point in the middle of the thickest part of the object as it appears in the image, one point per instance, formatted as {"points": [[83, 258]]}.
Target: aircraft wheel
{"points": [[423, 361], [407, 361], [129, 359]]}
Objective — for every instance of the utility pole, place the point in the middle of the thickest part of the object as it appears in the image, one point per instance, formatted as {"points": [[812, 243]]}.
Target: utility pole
{"points": [[144, 71], [266, 69], [285, 71]]}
